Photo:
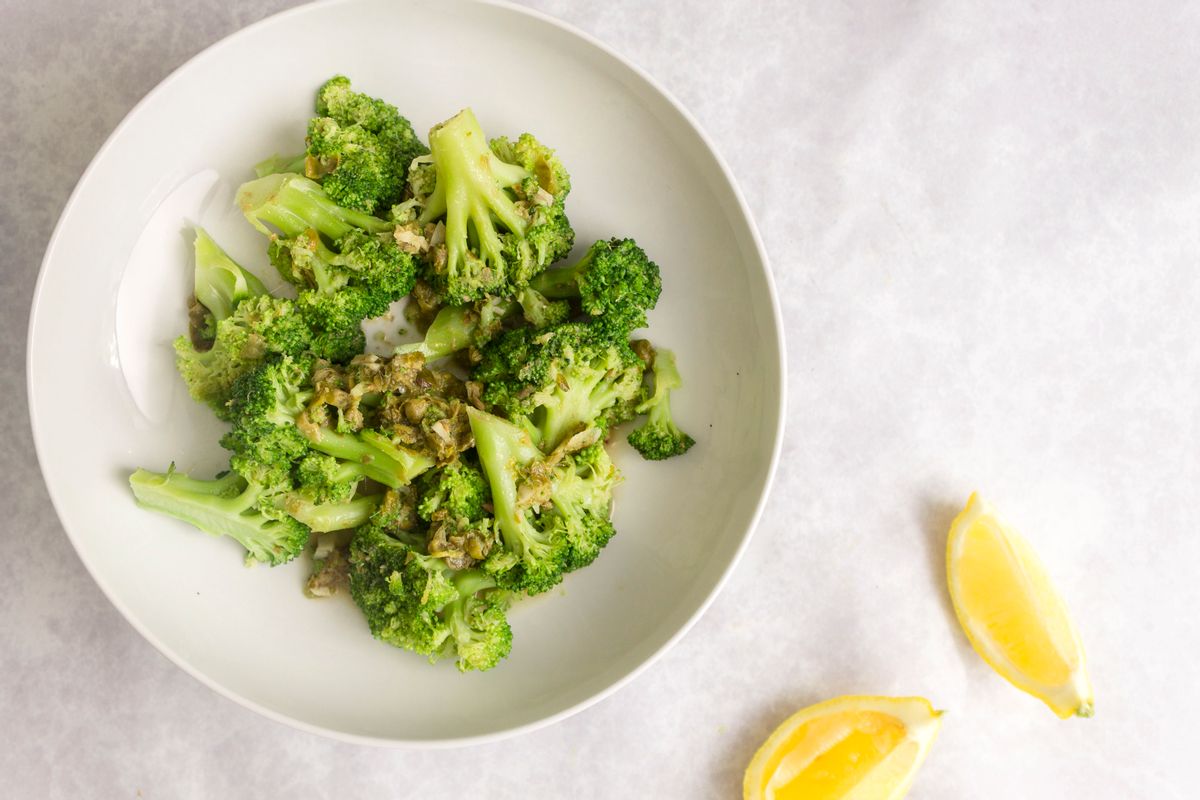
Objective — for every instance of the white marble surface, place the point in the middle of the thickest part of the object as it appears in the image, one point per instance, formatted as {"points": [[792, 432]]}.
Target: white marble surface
{"points": [[985, 228]]}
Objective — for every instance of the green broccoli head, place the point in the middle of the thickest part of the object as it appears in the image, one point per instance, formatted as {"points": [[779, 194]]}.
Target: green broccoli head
{"points": [[294, 204], [502, 206], [615, 282], [415, 602], [258, 327], [227, 506], [659, 437], [458, 488], [359, 148], [540, 311], [477, 621], [271, 396], [358, 279], [581, 498], [324, 479], [365, 261], [559, 379], [537, 557]]}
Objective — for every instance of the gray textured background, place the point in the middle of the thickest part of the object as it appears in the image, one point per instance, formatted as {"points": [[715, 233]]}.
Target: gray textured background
{"points": [[984, 231]]}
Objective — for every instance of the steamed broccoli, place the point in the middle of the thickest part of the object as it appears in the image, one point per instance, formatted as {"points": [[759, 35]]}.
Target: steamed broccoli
{"points": [[381, 458], [355, 276], [244, 324], [360, 259], [294, 204], [266, 406], [553, 516], [659, 437], [359, 147], [329, 516], [510, 461], [325, 479], [339, 289], [582, 497], [456, 328], [227, 506], [220, 283], [615, 281], [457, 488], [555, 380], [502, 206], [540, 311], [412, 600]]}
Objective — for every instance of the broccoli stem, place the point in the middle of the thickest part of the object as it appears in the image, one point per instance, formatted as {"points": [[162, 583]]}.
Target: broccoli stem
{"points": [[503, 449], [277, 163], [470, 191], [325, 517], [470, 582], [220, 282], [453, 329], [294, 204], [380, 459], [562, 283], [226, 506]]}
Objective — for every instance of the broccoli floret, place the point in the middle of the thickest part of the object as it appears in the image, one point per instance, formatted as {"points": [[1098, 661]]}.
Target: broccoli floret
{"points": [[359, 259], [552, 512], [540, 311], [325, 479], [512, 464], [477, 621], [266, 404], [556, 380], [456, 328], [360, 147], [659, 437], [357, 277], [502, 207], [259, 326], [457, 488], [413, 601], [382, 459], [335, 321], [340, 288], [220, 282], [294, 204], [615, 281], [581, 495], [227, 506]]}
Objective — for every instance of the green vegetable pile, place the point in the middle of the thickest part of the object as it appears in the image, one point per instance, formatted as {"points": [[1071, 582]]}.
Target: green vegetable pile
{"points": [[439, 482]]}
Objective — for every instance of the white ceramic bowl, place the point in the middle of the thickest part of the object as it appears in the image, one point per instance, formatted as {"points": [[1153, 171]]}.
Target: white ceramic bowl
{"points": [[104, 397]]}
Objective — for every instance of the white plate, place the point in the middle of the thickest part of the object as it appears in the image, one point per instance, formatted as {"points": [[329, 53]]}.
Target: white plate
{"points": [[104, 398]]}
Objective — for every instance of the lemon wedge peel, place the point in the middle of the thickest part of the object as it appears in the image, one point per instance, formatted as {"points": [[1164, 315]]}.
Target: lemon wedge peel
{"points": [[1011, 613], [847, 748]]}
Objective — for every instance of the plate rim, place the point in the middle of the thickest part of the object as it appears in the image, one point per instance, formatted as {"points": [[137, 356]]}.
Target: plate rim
{"points": [[449, 741]]}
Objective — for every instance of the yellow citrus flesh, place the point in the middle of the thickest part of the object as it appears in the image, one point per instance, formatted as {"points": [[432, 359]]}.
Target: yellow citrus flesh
{"points": [[848, 748], [1010, 611]]}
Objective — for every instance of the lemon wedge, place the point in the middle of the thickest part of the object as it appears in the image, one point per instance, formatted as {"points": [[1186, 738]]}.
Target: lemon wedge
{"points": [[848, 748], [1011, 613]]}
